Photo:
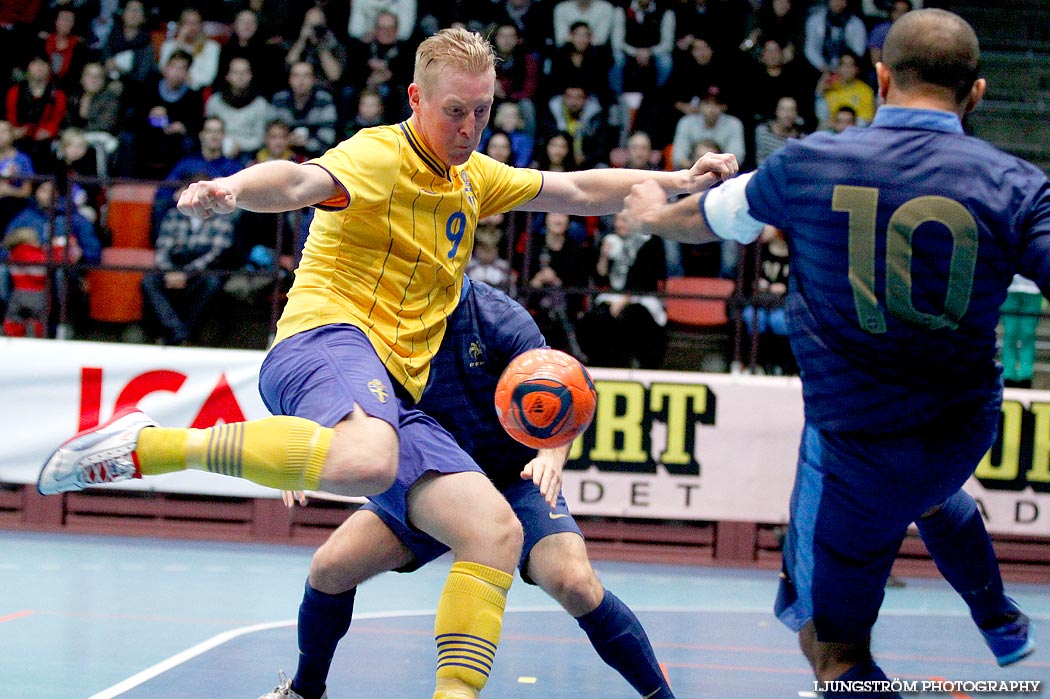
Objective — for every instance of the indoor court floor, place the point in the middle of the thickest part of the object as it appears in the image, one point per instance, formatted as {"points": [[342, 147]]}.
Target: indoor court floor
{"points": [[89, 617]]}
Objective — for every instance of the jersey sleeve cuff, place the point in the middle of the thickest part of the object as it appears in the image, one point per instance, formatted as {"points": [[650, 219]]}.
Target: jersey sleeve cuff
{"points": [[726, 213], [339, 201]]}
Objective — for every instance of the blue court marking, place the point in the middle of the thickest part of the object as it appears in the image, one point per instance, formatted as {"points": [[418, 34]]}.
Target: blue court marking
{"points": [[543, 654], [83, 615], [188, 654]]}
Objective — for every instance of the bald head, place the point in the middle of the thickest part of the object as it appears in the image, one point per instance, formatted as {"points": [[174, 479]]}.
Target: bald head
{"points": [[932, 48]]}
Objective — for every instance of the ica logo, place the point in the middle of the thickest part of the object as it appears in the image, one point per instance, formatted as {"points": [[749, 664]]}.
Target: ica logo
{"points": [[220, 406]]}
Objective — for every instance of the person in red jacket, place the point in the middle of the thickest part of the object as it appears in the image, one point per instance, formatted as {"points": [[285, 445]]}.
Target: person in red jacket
{"points": [[66, 51], [27, 260], [36, 107]]}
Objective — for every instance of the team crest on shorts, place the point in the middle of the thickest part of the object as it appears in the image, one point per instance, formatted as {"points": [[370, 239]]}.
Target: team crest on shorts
{"points": [[477, 355], [379, 390]]}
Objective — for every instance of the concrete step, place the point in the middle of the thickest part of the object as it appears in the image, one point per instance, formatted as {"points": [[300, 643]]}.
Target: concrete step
{"points": [[1008, 24], [1016, 76], [1021, 128]]}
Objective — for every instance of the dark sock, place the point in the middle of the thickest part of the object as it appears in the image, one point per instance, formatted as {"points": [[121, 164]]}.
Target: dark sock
{"points": [[620, 640], [323, 621]]}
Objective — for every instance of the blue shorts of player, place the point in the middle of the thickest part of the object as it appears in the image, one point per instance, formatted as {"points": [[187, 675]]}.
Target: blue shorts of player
{"points": [[536, 516], [320, 374], [855, 495]]}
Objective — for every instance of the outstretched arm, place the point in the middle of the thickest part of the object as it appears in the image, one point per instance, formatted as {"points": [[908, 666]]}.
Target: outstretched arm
{"points": [[646, 210], [598, 192], [721, 214], [270, 187]]}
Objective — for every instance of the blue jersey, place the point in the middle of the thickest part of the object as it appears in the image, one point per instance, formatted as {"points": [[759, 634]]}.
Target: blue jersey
{"points": [[904, 237], [484, 333]]}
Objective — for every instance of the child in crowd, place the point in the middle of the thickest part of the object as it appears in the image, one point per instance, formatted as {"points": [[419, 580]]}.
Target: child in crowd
{"points": [[76, 155], [370, 112], [27, 259], [842, 87], [485, 263], [277, 144], [14, 192], [508, 118]]}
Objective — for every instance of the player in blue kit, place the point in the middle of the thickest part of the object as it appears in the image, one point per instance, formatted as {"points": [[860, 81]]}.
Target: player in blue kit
{"points": [[485, 332], [903, 240]]}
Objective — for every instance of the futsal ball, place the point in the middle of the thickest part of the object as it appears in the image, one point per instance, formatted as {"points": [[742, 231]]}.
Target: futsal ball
{"points": [[545, 398]]}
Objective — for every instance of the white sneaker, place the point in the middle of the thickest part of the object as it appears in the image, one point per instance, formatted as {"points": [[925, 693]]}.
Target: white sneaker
{"points": [[284, 690], [101, 454]]}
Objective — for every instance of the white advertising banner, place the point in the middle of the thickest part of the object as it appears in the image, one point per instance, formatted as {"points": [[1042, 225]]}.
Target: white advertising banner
{"points": [[663, 445], [669, 445], [52, 390]]}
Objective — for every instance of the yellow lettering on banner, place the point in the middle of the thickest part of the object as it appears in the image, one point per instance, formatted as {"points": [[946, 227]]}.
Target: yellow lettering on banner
{"points": [[676, 397], [1040, 471], [1008, 467], [608, 423]]}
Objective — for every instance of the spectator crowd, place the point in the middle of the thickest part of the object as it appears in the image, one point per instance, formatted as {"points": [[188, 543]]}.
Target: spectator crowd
{"points": [[168, 91]]}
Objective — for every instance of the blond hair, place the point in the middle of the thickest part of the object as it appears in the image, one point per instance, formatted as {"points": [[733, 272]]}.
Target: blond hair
{"points": [[70, 136], [487, 236], [454, 48], [23, 235]]}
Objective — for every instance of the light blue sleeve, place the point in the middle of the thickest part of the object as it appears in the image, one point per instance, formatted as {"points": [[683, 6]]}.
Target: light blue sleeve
{"points": [[726, 212]]}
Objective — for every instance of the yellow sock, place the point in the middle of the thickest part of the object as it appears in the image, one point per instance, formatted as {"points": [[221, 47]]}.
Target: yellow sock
{"points": [[281, 452], [467, 628]]}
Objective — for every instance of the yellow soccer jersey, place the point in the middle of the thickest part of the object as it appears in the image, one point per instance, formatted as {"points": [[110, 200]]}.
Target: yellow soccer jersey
{"points": [[857, 95], [388, 255]]}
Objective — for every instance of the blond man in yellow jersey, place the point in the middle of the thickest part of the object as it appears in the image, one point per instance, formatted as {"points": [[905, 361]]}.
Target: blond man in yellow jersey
{"points": [[381, 272]]}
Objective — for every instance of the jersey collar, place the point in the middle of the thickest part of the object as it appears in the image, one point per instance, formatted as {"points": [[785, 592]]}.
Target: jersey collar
{"points": [[424, 153], [909, 118]]}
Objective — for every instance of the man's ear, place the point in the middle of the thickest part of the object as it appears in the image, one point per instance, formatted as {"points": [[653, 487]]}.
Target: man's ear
{"points": [[415, 94], [980, 86], [883, 78]]}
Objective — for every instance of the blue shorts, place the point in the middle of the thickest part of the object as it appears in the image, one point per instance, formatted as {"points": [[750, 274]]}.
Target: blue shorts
{"points": [[320, 374], [525, 499], [855, 495]]}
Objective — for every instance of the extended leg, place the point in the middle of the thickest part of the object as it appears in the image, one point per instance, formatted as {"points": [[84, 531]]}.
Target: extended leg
{"points": [[955, 535], [559, 564], [844, 662], [326, 376], [357, 457]]}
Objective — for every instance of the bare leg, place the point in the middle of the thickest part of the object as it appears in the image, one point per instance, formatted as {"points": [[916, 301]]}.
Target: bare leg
{"points": [[466, 513], [362, 458]]}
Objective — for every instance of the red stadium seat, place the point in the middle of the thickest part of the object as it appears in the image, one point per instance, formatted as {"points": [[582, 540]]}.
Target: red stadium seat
{"points": [[708, 311], [128, 215], [115, 296], [698, 328]]}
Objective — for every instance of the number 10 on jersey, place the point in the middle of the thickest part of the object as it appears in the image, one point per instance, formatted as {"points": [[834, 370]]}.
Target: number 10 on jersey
{"points": [[861, 203]]}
